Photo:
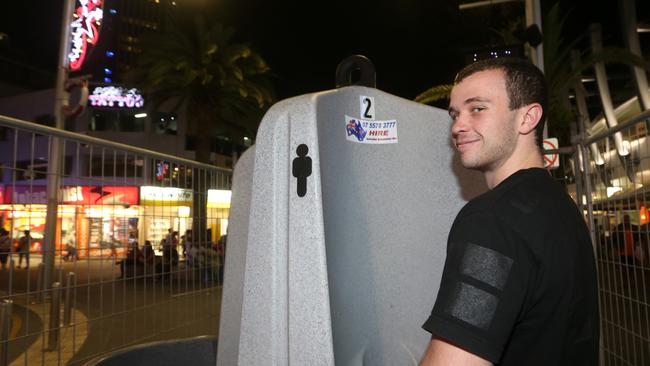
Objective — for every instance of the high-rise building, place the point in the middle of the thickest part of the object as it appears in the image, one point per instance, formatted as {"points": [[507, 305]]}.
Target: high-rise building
{"points": [[123, 25]]}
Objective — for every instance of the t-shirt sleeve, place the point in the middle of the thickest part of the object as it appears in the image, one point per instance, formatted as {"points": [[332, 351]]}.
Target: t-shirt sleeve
{"points": [[483, 287]]}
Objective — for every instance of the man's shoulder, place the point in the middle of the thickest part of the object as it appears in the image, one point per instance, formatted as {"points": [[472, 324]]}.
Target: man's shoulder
{"points": [[517, 203], [522, 191]]}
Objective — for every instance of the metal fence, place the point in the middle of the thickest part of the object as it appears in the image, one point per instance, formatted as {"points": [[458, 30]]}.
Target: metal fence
{"points": [[135, 253], [613, 189], [137, 250]]}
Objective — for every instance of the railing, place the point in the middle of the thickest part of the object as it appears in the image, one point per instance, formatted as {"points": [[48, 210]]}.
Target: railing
{"points": [[113, 198], [138, 249], [616, 197]]}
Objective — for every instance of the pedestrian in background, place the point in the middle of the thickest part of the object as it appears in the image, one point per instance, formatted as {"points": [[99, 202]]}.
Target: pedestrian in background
{"points": [[5, 247], [24, 245], [186, 242], [148, 253]]}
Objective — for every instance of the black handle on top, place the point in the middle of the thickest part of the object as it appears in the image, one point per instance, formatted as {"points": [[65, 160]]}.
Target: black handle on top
{"points": [[352, 64]]}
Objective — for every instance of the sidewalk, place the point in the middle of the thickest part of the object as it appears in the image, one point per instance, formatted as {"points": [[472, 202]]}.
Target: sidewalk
{"points": [[111, 313], [70, 338]]}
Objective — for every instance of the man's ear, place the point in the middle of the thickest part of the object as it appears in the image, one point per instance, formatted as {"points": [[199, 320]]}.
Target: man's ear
{"points": [[531, 117]]}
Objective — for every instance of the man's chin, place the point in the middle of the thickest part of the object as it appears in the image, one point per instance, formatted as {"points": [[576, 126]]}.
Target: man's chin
{"points": [[471, 164]]}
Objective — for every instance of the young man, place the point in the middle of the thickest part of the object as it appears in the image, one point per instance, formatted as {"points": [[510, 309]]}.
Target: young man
{"points": [[519, 282]]}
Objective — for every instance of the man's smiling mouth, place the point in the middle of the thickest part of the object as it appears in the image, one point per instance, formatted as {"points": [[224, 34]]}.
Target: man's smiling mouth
{"points": [[465, 143]]}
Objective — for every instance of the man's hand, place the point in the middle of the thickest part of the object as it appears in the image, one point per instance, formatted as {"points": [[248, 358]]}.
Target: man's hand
{"points": [[441, 353]]}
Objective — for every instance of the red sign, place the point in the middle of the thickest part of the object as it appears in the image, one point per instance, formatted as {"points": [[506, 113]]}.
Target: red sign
{"points": [[100, 195], [84, 30], [74, 195]]}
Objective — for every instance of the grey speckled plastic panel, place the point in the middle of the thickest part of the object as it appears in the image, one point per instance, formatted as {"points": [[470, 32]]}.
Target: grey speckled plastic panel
{"points": [[349, 272], [233, 286]]}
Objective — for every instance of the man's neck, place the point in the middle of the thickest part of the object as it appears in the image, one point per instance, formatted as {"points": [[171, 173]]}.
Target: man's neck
{"points": [[516, 163]]}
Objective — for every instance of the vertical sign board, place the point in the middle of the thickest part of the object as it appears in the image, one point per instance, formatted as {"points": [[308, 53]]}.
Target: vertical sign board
{"points": [[84, 31]]}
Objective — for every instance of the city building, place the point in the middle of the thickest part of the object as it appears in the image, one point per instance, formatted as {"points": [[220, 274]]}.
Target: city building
{"points": [[107, 198]]}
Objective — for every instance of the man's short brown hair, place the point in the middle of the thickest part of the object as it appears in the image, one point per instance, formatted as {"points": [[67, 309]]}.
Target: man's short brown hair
{"points": [[525, 84]]}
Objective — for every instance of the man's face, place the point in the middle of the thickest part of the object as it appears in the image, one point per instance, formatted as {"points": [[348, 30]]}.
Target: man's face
{"points": [[484, 129]]}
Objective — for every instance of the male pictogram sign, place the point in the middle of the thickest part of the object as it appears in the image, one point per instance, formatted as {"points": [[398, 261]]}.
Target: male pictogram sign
{"points": [[551, 161]]}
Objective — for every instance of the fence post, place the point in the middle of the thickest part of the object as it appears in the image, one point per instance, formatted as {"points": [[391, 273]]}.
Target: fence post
{"points": [[40, 292], [5, 324], [55, 317], [68, 304], [59, 275]]}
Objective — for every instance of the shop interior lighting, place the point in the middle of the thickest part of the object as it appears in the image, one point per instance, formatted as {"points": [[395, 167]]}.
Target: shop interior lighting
{"points": [[613, 190], [183, 211], [219, 198]]}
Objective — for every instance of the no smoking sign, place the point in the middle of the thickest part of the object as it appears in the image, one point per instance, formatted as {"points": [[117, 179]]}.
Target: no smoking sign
{"points": [[551, 161]]}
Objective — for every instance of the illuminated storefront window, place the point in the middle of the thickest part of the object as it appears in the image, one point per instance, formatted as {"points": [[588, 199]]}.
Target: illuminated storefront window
{"points": [[89, 217], [165, 208], [96, 219], [218, 211], [171, 208]]}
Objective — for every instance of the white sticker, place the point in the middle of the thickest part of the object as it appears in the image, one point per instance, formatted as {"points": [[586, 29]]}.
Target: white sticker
{"points": [[367, 107], [371, 132]]}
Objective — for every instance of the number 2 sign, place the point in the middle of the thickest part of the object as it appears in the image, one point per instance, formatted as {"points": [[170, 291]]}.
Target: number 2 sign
{"points": [[367, 107]]}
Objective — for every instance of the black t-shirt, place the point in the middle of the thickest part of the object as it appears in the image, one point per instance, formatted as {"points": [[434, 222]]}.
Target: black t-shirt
{"points": [[519, 284]]}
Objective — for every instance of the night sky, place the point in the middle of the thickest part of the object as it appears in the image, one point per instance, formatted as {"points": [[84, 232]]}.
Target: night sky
{"points": [[414, 44]]}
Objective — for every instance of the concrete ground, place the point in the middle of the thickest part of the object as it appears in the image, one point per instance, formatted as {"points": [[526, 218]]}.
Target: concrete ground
{"points": [[109, 313]]}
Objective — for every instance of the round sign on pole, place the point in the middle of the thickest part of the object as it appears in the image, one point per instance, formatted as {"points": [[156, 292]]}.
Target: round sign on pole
{"points": [[551, 161]]}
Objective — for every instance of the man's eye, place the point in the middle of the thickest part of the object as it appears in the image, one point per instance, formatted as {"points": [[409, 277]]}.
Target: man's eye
{"points": [[453, 116], [477, 109]]}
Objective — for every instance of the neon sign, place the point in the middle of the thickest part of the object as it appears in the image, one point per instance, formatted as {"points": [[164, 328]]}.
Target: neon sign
{"points": [[81, 195], [115, 96], [162, 171], [85, 30]]}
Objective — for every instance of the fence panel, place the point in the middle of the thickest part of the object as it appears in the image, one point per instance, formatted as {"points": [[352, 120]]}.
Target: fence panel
{"points": [[137, 250], [615, 189]]}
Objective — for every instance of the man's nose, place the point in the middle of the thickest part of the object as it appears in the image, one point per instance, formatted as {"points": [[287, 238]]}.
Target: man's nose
{"points": [[459, 125]]}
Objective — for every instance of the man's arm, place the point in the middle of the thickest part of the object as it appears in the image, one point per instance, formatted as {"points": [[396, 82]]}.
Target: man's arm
{"points": [[441, 353]]}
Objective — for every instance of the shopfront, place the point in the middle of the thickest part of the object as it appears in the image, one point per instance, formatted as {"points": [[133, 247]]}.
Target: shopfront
{"points": [[93, 219], [167, 208], [105, 220]]}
